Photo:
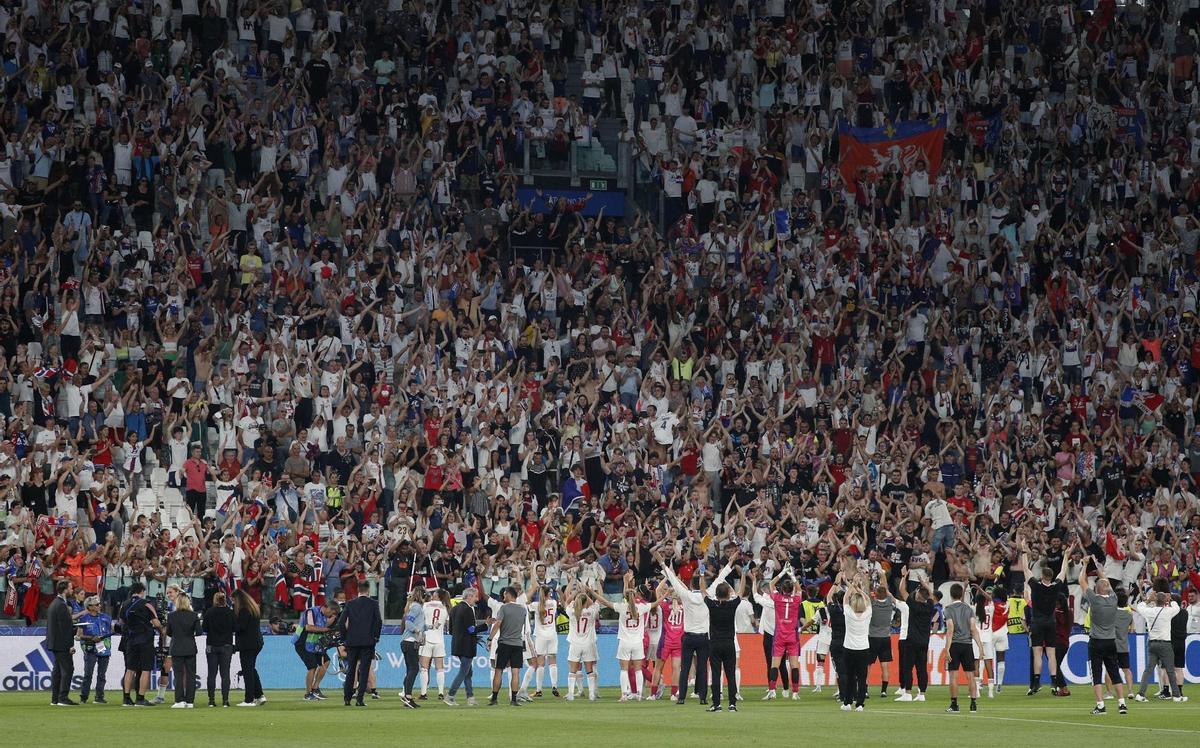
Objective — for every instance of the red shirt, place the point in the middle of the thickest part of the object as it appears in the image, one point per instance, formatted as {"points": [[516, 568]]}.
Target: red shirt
{"points": [[822, 346], [195, 472]]}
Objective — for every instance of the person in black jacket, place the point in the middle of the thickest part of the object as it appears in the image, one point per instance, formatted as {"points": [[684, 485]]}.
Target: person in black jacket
{"points": [[218, 649], [183, 626], [463, 641], [360, 625], [837, 642], [914, 648], [248, 628], [722, 651], [60, 641]]}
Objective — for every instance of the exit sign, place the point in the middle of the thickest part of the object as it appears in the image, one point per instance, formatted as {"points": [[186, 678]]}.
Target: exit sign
{"points": [[598, 185]]}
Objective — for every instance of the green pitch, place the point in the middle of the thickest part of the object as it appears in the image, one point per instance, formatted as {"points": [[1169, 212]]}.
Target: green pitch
{"points": [[286, 720]]}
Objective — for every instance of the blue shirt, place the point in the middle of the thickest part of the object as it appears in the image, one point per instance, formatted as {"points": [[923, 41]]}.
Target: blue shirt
{"points": [[619, 568], [97, 624], [414, 623]]}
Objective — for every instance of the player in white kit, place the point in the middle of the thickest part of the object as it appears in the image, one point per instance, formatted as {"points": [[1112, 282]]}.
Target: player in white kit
{"points": [[545, 637], [582, 616], [631, 637], [433, 651]]}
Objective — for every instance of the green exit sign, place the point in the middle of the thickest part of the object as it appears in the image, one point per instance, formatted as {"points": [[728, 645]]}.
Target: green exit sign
{"points": [[598, 185]]}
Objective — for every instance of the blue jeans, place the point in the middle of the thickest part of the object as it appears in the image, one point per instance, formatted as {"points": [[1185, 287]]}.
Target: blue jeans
{"points": [[943, 538], [463, 677], [93, 662]]}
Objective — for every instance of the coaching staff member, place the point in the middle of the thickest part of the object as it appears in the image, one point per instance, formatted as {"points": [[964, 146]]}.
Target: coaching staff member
{"points": [[1043, 599], [696, 622], [509, 630], [722, 607], [463, 642], [139, 622], [360, 625], [962, 629], [1102, 644], [218, 649], [183, 626], [60, 640]]}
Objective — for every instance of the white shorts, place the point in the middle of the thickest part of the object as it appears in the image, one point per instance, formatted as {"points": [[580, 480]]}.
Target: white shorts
{"points": [[581, 652], [824, 639], [652, 651], [988, 651], [627, 650], [435, 647], [546, 644], [1000, 640]]}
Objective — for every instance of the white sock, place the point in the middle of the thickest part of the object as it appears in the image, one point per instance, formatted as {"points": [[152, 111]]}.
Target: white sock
{"points": [[526, 678], [423, 679], [640, 680], [593, 678], [441, 680], [162, 689], [572, 682], [624, 682], [1100, 704], [552, 667], [737, 675], [1000, 672]]}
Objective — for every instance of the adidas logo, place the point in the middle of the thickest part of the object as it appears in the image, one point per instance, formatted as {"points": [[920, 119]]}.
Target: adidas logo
{"points": [[32, 673]]}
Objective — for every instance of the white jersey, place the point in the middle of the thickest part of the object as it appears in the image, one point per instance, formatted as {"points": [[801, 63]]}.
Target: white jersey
{"points": [[583, 626], [436, 618], [544, 624], [654, 623], [631, 624]]}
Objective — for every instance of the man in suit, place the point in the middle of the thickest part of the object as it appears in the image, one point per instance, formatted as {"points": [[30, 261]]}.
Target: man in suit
{"points": [[360, 624], [60, 641], [463, 641]]}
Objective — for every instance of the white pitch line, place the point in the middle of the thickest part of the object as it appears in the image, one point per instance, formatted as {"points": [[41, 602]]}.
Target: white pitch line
{"points": [[1044, 721]]}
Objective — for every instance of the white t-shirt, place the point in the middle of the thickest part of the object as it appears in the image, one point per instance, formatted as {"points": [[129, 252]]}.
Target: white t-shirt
{"points": [[857, 625]]}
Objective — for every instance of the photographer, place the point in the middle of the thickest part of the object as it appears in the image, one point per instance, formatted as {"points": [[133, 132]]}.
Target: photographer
{"points": [[311, 643], [96, 639]]}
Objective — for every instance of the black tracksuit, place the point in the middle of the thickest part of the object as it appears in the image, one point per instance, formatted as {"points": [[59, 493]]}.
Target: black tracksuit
{"points": [[722, 646]]}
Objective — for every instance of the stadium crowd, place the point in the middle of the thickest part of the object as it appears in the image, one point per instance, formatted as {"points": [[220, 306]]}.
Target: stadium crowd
{"points": [[264, 326]]}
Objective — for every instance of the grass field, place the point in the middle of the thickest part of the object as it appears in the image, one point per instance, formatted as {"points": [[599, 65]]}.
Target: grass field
{"points": [[1010, 719]]}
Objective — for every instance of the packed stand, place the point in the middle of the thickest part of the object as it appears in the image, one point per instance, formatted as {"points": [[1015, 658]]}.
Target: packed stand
{"points": [[264, 326]]}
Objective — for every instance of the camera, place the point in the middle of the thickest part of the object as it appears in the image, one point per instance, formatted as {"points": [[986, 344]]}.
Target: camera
{"points": [[280, 627]]}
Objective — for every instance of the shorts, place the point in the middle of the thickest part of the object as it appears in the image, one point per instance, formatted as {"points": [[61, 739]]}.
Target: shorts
{"points": [[630, 650], [1178, 647], [581, 652], [1000, 640], [824, 639], [546, 645], [880, 648], [962, 656], [988, 651], [434, 646], [1123, 660], [668, 649], [509, 656], [1102, 653], [785, 648], [1041, 632], [311, 660], [139, 658]]}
